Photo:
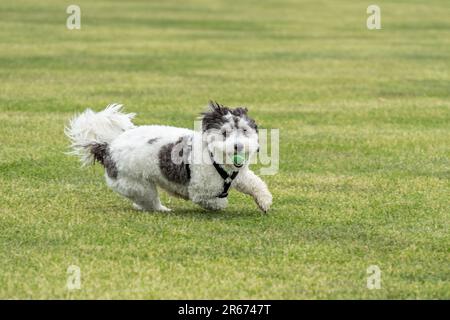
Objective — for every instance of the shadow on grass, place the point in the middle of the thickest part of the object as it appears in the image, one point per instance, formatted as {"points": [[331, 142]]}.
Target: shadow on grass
{"points": [[226, 214], [187, 213]]}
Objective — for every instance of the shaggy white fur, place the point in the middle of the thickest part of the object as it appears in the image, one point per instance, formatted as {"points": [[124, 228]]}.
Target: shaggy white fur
{"points": [[137, 159]]}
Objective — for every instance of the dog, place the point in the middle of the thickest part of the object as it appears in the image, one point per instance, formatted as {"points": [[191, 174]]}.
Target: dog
{"points": [[201, 166]]}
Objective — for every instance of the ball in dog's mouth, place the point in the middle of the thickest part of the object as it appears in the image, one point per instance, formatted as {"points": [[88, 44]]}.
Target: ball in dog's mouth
{"points": [[238, 160]]}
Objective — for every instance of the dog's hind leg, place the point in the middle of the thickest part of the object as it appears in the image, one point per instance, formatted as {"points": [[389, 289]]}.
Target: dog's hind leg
{"points": [[149, 200], [144, 194]]}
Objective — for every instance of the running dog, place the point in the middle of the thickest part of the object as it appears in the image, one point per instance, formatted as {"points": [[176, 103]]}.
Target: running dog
{"points": [[201, 166]]}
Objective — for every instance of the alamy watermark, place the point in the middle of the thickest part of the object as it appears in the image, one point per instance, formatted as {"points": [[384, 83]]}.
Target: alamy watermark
{"points": [[374, 278], [204, 147], [73, 21], [73, 278], [374, 20]]}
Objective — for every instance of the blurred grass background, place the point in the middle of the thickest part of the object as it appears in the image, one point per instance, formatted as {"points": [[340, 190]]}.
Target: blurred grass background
{"points": [[364, 119]]}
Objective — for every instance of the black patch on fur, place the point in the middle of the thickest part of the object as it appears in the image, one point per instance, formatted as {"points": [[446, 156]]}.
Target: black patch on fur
{"points": [[176, 172], [215, 118], [100, 151], [153, 140]]}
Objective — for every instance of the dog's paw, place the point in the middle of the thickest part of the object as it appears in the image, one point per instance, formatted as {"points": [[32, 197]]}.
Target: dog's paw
{"points": [[264, 202], [163, 209]]}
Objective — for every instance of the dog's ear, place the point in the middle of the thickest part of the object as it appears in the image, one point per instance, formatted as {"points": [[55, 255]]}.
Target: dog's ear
{"points": [[240, 111]]}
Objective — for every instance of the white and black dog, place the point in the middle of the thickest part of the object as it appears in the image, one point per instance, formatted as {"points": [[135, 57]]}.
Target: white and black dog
{"points": [[200, 166]]}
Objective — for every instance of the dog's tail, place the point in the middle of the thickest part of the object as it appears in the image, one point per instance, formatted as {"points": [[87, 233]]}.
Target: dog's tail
{"points": [[91, 130]]}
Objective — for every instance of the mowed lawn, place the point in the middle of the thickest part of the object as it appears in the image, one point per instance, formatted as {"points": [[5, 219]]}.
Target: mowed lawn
{"points": [[364, 120]]}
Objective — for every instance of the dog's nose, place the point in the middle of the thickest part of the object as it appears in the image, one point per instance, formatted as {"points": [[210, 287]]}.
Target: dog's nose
{"points": [[238, 147]]}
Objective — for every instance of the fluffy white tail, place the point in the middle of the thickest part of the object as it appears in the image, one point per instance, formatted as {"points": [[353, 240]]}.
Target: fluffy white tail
{"points": [[91, 129]]}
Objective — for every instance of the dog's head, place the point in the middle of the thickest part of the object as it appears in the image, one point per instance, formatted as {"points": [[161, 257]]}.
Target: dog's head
{"points": [[231, 135]]}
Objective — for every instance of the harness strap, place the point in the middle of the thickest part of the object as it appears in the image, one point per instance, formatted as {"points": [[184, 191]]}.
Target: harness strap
{"points": [[227, 179]]}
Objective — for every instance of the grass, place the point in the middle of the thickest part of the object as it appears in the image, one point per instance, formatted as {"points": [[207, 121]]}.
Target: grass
{"points": [[364, 148]]}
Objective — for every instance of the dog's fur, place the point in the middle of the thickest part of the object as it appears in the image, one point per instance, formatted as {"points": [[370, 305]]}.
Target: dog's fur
{"points": [[137, 159]]}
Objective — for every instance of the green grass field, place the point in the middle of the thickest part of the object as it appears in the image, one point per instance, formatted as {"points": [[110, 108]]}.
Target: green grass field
{"points": [[364, 119]]}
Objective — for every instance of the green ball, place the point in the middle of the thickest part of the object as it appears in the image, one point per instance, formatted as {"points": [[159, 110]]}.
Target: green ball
{"points": [[238, 159]]}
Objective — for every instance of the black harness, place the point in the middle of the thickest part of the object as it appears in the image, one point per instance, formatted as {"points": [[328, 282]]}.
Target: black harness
{"points": [[227, 179]]}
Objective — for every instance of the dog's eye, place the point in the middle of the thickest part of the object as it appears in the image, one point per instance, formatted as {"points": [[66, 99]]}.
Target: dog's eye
{"points": [[224, 133]]}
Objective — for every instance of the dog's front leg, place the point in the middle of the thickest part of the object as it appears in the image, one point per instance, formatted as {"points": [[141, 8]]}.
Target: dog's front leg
{"points": [[249, 183], [212, 204]]}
